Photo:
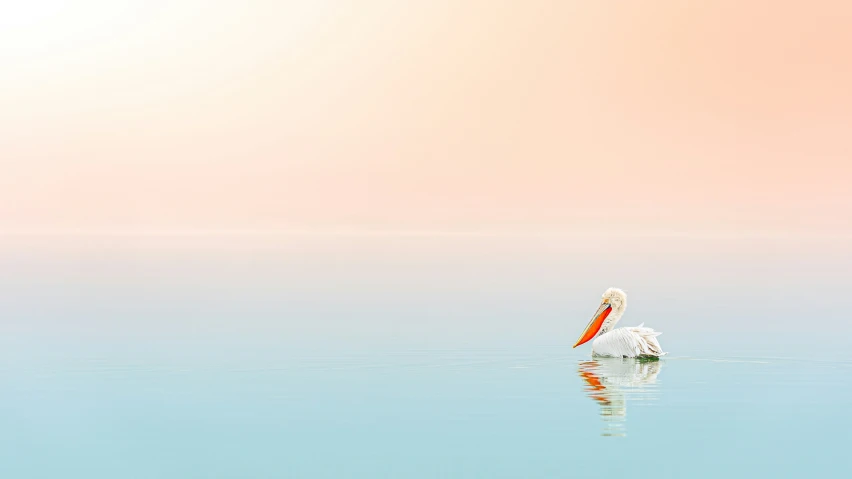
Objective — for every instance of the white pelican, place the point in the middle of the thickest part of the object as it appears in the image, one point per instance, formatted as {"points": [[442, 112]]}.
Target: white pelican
{"points": [[635, 342]]}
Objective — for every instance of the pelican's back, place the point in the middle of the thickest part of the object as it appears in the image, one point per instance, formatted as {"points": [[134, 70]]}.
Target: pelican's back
{"points": [[632, 342]]}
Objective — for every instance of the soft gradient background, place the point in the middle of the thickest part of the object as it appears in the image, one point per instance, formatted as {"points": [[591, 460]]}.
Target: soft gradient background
{"points": [[427, 171], [422, 171], [142, 116], [325, 238]]}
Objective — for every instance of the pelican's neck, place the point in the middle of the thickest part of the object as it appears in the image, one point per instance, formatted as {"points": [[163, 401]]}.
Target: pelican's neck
{"points": [[611, 320]]}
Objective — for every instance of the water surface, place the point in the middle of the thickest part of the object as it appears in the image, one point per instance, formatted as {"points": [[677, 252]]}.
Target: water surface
{"points": [[411, 359], [424, 413]]}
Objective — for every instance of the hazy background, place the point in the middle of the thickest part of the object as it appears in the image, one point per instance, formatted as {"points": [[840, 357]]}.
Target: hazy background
{"points": [[421, 173]]}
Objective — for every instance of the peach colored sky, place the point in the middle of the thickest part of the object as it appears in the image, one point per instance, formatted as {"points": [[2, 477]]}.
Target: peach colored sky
{"points": [[472, 115]]}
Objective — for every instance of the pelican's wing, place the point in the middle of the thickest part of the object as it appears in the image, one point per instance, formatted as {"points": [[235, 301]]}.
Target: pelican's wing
{"points": [[628, 342], [646, 341]]}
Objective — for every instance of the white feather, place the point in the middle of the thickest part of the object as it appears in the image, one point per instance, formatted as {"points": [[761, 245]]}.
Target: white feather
{"points": [[628, 343]]}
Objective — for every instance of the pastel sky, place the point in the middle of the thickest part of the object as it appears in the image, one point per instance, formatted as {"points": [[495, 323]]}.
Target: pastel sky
{"points": [[476, 115]]}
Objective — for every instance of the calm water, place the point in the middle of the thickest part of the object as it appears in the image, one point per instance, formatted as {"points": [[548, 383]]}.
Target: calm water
{"points": [[187, 364]]}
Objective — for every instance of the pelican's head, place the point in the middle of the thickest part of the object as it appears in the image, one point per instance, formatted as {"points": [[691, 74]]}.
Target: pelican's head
{"points": [[613, 301]]}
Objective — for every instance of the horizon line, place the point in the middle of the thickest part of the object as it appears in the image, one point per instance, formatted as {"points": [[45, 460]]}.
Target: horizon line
{"points": [[368, 232]]}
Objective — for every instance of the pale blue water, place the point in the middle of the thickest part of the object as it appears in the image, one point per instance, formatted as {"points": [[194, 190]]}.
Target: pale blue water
{"points": [[201, 365], [539, 412]]}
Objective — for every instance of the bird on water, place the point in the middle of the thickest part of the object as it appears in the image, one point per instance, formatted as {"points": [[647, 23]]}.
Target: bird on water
{"points": [[612, 342]]}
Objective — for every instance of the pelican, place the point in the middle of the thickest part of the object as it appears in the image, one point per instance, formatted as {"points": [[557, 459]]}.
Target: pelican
{"points": [[635, 342]]}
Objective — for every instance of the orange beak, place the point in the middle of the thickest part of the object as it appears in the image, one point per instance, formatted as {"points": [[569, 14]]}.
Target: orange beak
{"points": [[595, 324]]}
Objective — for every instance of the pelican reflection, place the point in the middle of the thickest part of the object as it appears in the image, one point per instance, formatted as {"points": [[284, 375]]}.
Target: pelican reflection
{"points": [[612, 381]]}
